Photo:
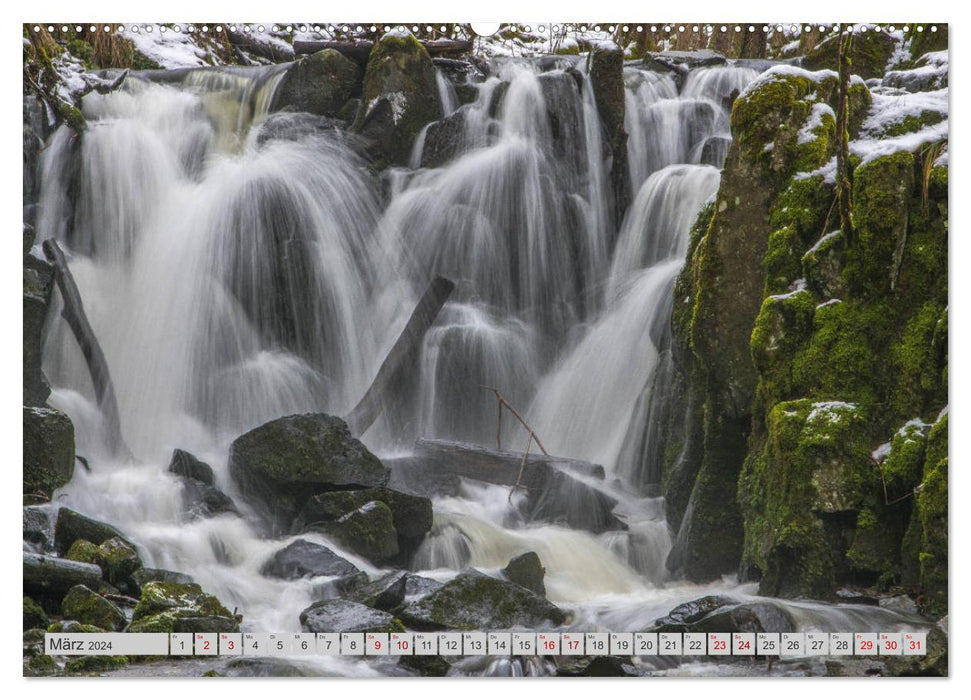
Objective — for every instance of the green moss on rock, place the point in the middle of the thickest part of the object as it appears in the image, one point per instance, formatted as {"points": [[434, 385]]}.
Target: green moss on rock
{"points": [[118, 560], [163, 604], [869, 54], [87, 607], [83, 551], [34, 615], [48, 451], [91, 665], [368, 531], [932, 509]]}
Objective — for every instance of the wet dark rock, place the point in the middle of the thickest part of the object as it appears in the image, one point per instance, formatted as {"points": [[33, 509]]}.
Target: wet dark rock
{"points": [[473, 600], [87, 607], [527, 571], [319, 84], [685, 614], [346, 616], [607, 80], [747, 617], [385, 593], [48, 451], [71, 526], [302, 559], [599, 666], [48, 579], [855, 668], [415, 476], [204, 501], [420, 586], [205, 623], [426, 666], [36, 388], [714, 150], [281, 463], [39, 528], [444, 139], [189, 466], [293, 126], [368, 531], [411, 515]]}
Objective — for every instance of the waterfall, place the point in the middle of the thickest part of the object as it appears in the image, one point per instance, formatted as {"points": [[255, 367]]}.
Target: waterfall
{"points": [[233, 277]]}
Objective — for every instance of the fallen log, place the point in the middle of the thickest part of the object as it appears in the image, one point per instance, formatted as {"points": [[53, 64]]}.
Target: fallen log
{"points": [[403, 352], [77, 320], [558, 490], [263, 49], [48, 579], [360, 49]]}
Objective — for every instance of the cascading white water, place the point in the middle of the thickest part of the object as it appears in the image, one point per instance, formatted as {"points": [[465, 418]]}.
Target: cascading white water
{"points": [[232, 281]]}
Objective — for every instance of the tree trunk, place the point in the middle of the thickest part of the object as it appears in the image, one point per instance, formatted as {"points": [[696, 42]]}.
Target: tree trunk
{"points": [[843, 186]]}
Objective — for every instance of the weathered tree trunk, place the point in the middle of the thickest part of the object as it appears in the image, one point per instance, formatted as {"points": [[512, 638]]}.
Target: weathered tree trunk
{"points": [[754, 44], [73, 313], [843, 186], [49, 578], [404, 351], [271, 52]]}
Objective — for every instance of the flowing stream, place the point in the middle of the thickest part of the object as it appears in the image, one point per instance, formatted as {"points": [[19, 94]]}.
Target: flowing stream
{"points": [[233, 279]]}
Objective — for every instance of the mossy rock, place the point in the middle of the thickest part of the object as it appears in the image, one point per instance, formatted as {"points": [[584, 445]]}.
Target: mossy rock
{"points": [[927, 41], [869, 54], [48, 451], [814, 467], [34, 615], [903, 467], [118, 560], [784, 324], [932, 510], [74, 626], [72, 526], [473, 600], [368, 531], [283, 462], [399, 97], [822, 266], [83, 551], [321, 83], [162, 604], [40, 665], [90, 665], [87, 607]]}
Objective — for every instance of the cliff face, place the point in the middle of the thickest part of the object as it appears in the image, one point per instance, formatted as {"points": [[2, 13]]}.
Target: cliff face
{"points": [[813, 368]]}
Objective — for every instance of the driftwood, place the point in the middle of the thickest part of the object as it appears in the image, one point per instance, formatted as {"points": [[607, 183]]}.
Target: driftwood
{"points": [[360, 49], [405, 349], [73, 313], [558, 490]]}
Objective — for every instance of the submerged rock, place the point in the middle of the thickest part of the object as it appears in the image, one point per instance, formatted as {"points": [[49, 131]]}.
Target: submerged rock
{"points": [[261, 667], [527, 571], [48, 451], [473, 600], [685, 614], [347, 616], [204, 501], [599, 667], [281, 463], [319, 84], [301, 559], [187, 465], [87, 607], [294, 126]]}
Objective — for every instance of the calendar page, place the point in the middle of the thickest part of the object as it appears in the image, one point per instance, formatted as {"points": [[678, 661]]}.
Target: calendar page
{"points": [[431, 349]]}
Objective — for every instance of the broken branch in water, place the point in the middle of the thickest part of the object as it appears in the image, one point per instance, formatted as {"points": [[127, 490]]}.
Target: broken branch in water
{"points": [[531, 435], [73, 313]]}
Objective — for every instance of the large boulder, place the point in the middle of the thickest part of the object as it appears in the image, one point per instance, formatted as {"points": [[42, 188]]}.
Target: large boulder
{"points": [[48, 451], [180, 607], [444, 140], [527, 571], [86, 606], [48, 579], [301, 559], [346, 616], [411, 515], [319, 84], [38, 528], [400, 97], [685, 614], [281, 463], [72, 526], [473, 600]]}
